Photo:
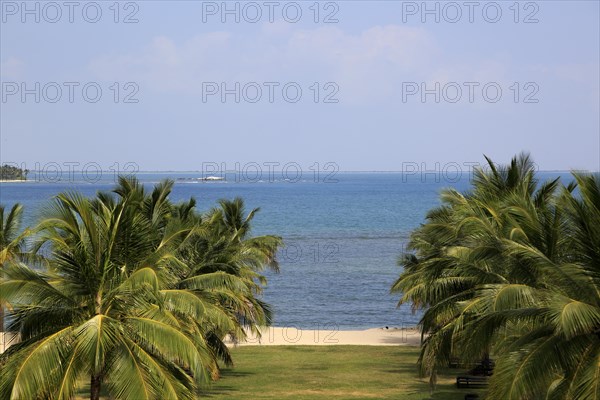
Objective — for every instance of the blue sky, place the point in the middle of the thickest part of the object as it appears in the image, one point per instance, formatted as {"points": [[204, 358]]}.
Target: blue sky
{"points": [[362, 76]]}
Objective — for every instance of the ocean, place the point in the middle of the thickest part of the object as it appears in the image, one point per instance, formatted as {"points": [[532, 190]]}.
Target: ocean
{"points": [[343, 234]]}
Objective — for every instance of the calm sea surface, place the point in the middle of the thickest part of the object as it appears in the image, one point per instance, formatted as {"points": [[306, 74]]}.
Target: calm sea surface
{"points": [[343, 235]]}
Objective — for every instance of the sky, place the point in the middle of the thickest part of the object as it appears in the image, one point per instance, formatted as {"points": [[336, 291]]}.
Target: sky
{"points": [[365, 85]]}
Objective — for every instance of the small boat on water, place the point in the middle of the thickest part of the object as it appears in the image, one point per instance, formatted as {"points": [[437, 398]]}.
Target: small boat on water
{"points": [[203, 179]]}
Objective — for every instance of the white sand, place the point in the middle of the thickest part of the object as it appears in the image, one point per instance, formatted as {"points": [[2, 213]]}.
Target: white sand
{"points": [[282, 336]]}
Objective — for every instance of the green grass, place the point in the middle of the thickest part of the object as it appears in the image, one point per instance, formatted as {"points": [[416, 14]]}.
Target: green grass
{"points": [[325, 372]]}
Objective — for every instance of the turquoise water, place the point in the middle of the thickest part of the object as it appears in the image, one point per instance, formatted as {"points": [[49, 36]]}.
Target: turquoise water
{"points": [[343, 236]]}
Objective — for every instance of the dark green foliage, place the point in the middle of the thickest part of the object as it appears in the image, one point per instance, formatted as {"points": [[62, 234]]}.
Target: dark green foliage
{"points": [[12, 173], [512, 268]]}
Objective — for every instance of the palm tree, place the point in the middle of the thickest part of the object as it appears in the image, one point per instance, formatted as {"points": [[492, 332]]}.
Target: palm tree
{"points": [[457, 250], [99, 309], [512, 268], [561, 311], [12, 241], [222, 251], [138, 295], [230, 221]]}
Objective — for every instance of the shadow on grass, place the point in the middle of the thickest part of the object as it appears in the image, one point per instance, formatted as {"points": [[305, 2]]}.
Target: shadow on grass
{"points": [[401, 371], [313, 367], [303, 349], [447, 395], [445, 390], [234, 373], [221, 389]]}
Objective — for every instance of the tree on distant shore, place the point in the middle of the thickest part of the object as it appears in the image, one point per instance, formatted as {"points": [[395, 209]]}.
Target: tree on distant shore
{"points": [[512, 268], [12, 173], [123, 303]]}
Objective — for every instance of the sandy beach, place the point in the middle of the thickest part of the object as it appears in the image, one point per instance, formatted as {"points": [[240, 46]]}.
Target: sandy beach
{"points": [[285, 336]]}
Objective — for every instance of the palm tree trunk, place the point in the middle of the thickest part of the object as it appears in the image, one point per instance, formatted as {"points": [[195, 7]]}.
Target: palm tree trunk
{"points": [[2, 334], [95, 384]]}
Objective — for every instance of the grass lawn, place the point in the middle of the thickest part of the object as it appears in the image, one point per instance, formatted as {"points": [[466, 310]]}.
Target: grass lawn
{"points": [[325, 372]]}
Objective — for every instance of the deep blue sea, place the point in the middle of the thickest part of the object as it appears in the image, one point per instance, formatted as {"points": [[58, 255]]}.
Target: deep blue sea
{"points": [[343, 235]]}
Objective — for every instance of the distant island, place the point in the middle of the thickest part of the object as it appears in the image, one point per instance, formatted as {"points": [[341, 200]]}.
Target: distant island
{"points": [[11, 173]]}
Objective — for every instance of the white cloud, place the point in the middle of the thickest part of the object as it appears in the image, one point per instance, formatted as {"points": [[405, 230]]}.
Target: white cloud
{"points": [[363, 64], [164, 65], [369, 66]]}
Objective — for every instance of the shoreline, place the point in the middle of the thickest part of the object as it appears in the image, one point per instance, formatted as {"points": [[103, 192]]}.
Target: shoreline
{"points": [[291, 336]]}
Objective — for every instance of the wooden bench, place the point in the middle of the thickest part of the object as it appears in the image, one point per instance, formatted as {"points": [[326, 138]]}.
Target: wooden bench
{"points": [[471, 382]]}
